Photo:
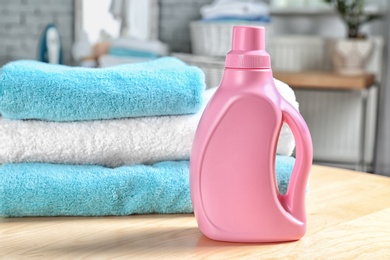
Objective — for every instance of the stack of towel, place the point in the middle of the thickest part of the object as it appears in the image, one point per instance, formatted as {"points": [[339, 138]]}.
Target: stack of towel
{"points": [[95, 142], [246, 10], [128, 50]]}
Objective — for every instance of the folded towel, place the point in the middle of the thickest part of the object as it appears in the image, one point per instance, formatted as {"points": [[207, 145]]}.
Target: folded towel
{"points": [[113, 60], [286, 143], [29, 189], [232, 18], [113, 142], [116, 51], [153, 46], [237, 8], [34, 90]]}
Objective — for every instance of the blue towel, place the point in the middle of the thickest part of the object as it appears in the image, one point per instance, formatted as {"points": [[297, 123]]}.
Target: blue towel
{"points": [[34, 189], [125, 52], [36, 90], [232, 18]]}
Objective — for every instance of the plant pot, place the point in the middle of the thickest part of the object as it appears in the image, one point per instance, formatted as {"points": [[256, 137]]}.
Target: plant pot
{"points": [[350, 56]]}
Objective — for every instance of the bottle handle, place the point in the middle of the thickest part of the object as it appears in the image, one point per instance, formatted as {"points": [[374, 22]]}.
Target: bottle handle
{"points": [[294, 200]]}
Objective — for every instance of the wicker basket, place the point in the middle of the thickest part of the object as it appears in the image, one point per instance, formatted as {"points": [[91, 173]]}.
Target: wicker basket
{"points": [[211, 66], [214, 38]]}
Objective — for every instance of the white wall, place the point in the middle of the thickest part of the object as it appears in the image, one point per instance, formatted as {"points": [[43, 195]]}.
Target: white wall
{"points": [[96, 17]]}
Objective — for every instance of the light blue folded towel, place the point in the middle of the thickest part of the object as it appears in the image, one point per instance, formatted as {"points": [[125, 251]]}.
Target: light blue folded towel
{"points": [[35, 90], [38, 189], [125, 52]]}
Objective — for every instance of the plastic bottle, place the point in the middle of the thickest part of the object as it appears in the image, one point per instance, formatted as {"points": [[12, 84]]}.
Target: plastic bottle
{"points": [[232, 166]]}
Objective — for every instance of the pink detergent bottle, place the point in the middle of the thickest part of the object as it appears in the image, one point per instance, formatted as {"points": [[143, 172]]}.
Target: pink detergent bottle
{"points": [[232, 168]]}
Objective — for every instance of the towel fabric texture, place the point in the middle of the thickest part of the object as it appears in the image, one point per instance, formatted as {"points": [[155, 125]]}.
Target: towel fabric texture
{"points": [[35, 90], [114, 143], [39, 189], [150, 113]]}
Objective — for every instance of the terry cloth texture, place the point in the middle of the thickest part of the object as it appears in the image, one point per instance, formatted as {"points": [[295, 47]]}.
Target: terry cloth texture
{"points": [[113, 143], [36, 90], [40, 189]]}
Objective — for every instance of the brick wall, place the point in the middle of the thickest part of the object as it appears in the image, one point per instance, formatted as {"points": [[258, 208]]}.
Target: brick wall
{"points": [[23, 21], [175, 16]]}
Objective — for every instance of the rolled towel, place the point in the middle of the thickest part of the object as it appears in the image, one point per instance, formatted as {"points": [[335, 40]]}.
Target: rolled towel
{"points": [[38, 189], [113, 142], [35, 90]]}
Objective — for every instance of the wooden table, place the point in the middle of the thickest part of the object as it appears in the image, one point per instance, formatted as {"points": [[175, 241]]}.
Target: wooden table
{"points": [[348, 217]]}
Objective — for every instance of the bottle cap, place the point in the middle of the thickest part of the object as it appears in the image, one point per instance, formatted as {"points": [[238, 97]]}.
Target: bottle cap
{"points": [[248, 49]]}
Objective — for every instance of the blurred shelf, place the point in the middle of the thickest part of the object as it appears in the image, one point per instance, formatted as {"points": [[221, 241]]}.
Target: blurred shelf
{"points": [[286, 11], [325, 80], [314, 11]]}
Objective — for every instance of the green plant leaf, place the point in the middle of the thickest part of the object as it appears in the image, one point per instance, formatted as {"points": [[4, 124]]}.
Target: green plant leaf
{"points": [[351, 12]]}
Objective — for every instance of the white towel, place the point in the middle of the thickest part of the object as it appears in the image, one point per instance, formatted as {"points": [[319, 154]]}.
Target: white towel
{"points": [[236, 8], [113, 142], [108, 60]]}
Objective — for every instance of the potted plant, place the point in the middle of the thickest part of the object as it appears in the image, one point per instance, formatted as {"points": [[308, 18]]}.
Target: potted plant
{"points": [[350, 55]]}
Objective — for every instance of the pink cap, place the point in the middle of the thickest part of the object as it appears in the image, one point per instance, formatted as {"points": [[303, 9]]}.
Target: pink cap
{"points": [[248, 49]]}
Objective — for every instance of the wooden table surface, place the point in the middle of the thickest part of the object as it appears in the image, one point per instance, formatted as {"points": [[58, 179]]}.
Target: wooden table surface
{"points": [[348, 218]]}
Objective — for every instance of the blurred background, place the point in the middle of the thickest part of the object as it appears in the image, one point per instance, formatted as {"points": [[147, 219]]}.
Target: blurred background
{"points": [[346, 108], [23, 21]]}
